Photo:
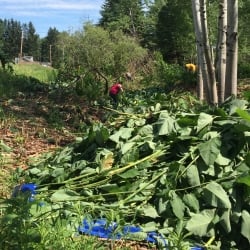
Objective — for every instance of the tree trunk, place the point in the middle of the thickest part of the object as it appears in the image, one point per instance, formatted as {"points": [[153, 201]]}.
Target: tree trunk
{"points": [[200, 55], [232, 49], [212, 88], [221, 48]]}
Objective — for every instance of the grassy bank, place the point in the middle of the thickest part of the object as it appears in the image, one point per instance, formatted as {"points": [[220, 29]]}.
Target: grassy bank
{"points": [[42, 73]]}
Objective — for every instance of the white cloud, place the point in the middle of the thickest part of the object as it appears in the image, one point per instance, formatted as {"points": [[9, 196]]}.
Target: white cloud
{"points": [[25, 5], [61, 14]]}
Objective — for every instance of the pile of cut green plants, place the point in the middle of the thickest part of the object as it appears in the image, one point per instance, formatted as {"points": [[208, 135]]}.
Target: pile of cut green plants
{"points": [[179, 171]]}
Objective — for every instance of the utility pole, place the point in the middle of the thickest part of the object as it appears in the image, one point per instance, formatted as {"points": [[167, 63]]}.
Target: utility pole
{"points": [[50, 56], [21, 47]]}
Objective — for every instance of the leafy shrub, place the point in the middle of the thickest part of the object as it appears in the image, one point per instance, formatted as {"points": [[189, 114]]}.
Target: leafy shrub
{"points": [[164, 74], [244, 70]]}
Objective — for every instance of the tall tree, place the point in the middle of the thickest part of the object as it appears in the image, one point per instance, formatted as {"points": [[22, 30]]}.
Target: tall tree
{"points": [[227, 64], [152, 9], [174, 31], [49, 49], [12, 38], [221, 46], [31, 41], [212, 87], [123, 15], [232, 48]]}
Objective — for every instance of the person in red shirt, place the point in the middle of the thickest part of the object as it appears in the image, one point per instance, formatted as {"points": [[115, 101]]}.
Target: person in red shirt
{"points": [[114, 91]]}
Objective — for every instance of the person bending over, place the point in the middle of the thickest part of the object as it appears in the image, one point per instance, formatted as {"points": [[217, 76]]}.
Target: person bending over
{"points": [[114, 92]]}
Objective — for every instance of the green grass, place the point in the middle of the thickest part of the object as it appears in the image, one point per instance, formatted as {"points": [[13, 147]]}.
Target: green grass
{"points": [[42, 73]]}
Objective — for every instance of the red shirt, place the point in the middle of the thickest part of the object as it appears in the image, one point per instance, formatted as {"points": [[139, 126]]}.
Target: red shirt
{"points": [[115, 89]]}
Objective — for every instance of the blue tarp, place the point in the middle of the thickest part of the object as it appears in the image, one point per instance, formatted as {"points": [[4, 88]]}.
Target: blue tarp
{"points": [[99, 227]]}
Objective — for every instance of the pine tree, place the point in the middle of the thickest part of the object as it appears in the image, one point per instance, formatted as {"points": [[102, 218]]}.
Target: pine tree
{"points": [[31, 41], [126, 15]]}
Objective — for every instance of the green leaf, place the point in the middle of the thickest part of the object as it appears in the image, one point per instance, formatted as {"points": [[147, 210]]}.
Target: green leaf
{"points": [[225, 220], [244, 180], [200, 224], [102, 136], [236, 105], [126, 147], [216, 196], [222, 161], [64, 195], [34, 171], [203, 121], [150, 211], [243, 114], [245, 225], [193, 175], [166, 124], [130, 173], [210, 150], [177, 204], [146, 130], [124, 133], [192, 202]]}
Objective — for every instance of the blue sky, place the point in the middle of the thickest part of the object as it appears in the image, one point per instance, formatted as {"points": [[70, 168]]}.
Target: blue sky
{"points": [[64, 15]]}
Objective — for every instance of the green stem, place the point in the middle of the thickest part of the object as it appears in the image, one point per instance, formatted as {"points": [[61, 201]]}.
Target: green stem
{"points": [[140, 189], [132, 164]]}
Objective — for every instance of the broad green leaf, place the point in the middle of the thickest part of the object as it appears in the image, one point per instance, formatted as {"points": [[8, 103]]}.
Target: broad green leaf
{"points": [[146, 130], [216, 196], [102, 136], [140, 122], [64, 195], [245, 225], [203, 121], [130, 173], [244, 180], [192, 202], [162, 205], [166, 124], [236, 105], [177, 205], [58, 172], [124, 133], [222, 161], [210, 150], [131, 156], [126, 147], [200, 224], [150, 227], [150, 211], [243, 114], [225, 220], [34, 171], [193, 175]]}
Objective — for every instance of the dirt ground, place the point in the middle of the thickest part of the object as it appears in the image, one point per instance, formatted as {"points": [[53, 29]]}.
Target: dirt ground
{"points": [[34, 124]]}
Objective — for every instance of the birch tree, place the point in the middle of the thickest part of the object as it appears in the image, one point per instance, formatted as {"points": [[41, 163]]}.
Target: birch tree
{"points": [[232, 48], [200, 57], [227, 50], [222, 36]]}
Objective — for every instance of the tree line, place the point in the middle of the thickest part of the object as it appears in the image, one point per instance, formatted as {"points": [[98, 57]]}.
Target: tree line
{"points": [[130, 35]]}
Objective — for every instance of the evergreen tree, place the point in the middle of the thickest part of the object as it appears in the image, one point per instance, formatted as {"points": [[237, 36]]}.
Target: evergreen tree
{"points": [[31, 41], [151, 18], [49, 50], [174, 31], [12, 39], [125, 15]]}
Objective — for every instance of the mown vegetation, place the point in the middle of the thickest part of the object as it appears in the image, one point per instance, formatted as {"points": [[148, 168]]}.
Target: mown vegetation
{"points": [[163, 161]]}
